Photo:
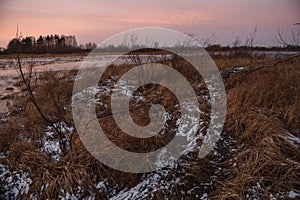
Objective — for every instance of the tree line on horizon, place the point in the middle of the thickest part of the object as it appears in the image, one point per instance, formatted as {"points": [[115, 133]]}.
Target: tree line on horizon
{"points": [[68, 44], [43, 44]]}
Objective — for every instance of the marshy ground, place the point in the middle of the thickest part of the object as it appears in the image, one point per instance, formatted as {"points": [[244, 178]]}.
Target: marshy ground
{"points": [[257, 156]]}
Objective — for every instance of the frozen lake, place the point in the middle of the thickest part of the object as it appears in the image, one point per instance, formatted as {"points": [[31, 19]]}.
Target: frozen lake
{"points": [[9, 76]]}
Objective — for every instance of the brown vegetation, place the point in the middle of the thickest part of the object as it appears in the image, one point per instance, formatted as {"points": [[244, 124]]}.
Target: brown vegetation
{"points": [[263, 112], [256, 156]]}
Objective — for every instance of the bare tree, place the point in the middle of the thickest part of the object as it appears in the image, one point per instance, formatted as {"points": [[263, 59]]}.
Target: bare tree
{"points": [[289, 40], [29, 77], [204, 41], [237, 42], [250, 40]]}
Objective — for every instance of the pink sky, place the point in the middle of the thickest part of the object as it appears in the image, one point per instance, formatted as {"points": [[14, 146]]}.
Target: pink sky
{"points": [[95, 20]]}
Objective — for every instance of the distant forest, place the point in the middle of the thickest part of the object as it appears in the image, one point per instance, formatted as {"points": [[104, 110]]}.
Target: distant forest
{"points": [[46, 44]]}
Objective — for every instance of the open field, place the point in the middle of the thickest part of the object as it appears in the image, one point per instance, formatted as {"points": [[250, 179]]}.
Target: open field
{"points": [[257, 156]]}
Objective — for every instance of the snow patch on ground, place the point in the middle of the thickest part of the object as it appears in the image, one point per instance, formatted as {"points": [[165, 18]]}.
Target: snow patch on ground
{"points": [[292, 194], [293, 140], [13, 184], [50, 143], [4, 117], [146, 188]]}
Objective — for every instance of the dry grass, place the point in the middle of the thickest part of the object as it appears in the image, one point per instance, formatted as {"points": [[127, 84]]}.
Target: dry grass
{"points": [[263, 108], [25, 128]]}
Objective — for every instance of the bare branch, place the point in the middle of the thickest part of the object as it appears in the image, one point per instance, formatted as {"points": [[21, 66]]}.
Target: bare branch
{"points": [[293, 39], [251, 38], [237, 42]]}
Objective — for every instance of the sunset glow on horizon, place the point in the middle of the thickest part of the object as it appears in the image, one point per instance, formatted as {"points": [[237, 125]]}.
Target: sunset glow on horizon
{"points": [[93, 21]]}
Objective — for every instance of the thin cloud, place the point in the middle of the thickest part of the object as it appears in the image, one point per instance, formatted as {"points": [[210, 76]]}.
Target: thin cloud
{"points": [[177, 19]]}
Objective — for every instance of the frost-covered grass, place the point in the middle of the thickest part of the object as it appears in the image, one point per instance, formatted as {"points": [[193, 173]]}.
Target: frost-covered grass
{"points": [[50, 143]]}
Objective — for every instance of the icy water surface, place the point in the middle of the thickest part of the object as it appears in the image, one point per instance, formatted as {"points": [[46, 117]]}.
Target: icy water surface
{"points": [[9, 76]]}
